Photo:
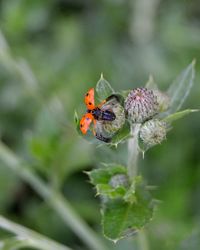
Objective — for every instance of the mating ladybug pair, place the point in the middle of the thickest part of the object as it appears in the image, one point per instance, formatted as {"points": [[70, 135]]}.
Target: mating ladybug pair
{"points": [[95, 114]]}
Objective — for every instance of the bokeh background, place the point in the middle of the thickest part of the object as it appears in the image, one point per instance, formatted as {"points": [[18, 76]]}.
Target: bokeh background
{"points": [[51, 52]]}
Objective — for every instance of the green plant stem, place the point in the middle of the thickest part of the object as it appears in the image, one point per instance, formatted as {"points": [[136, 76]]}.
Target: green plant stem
{"points": [[133, 151], [27, 238], [132, 166], [61, 206], [142, 240]]}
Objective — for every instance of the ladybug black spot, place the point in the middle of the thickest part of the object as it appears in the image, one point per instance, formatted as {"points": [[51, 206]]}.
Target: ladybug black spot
{"points": [[90, 103], [81, 125], [87, 94]]}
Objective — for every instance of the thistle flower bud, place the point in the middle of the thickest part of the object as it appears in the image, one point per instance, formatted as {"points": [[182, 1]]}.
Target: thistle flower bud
{"points": [[153, 132], [162, 99], [109, 128], [114, 126], [119, 180], [141, 104]]}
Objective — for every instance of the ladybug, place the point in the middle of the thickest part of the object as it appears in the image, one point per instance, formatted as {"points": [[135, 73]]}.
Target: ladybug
{"points": [[94, 114]]}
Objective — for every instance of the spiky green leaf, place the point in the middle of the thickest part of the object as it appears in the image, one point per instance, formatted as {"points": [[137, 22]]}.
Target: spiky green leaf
{"points": [[123, 219], [103, 88], [178, 115], [109, 191], [121, 135], [103, 175]]}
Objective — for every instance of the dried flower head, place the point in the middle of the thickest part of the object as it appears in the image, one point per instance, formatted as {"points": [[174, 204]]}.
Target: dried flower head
{"points": [[153, 132], [141, 104]]}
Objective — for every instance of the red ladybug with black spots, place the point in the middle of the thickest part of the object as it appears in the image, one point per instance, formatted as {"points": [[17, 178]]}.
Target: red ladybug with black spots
{"points": [[94, 114]]}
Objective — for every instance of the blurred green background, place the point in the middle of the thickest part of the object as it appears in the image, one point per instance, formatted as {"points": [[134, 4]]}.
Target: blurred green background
{"points": [[51, 52]]}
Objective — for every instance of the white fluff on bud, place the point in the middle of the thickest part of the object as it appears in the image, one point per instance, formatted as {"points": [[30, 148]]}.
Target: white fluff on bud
{"points": [[119, 180]]}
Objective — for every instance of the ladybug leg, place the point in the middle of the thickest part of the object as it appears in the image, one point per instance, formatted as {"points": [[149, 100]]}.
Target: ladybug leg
{"points": [[97, 131], [101, 104], [102, 138], [94, 128]]}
